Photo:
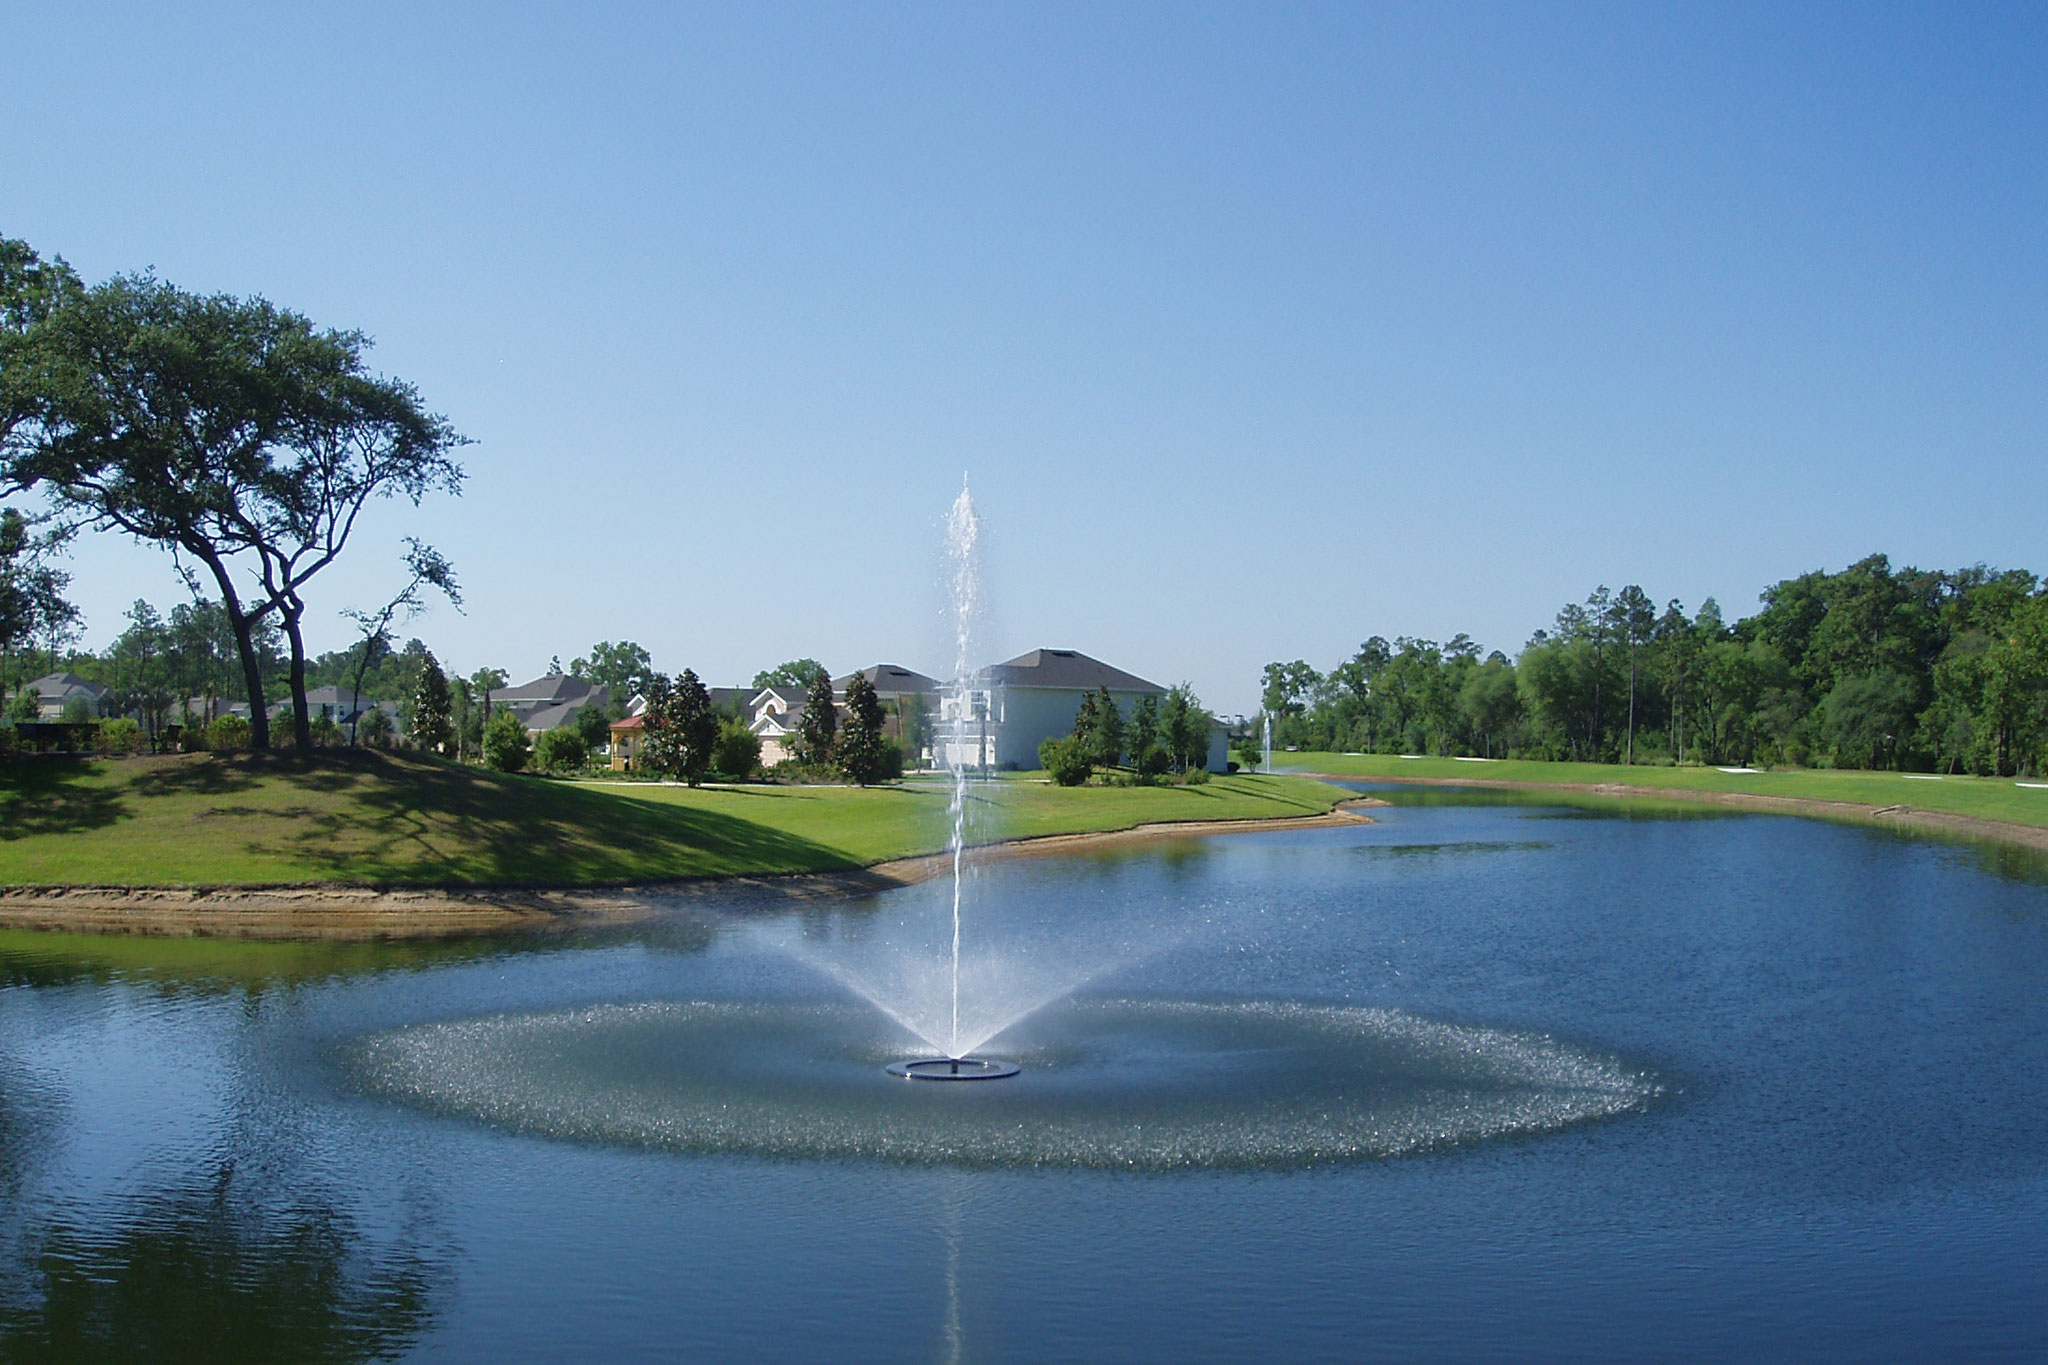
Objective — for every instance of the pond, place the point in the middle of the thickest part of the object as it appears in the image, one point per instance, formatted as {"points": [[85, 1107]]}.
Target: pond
{"points": [[1486, 1079]]}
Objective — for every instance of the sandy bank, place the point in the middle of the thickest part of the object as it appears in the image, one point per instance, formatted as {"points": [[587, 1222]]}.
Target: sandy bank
{"points": [[366, 912]]}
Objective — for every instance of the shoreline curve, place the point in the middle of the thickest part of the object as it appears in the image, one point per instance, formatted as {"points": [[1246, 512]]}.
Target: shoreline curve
{"points": [[345, 911], [1901, 818]]}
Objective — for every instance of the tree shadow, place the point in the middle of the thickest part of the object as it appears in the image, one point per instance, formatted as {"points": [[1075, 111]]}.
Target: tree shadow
{"points": [[206, 1273], [55, 797], [416, 821]]}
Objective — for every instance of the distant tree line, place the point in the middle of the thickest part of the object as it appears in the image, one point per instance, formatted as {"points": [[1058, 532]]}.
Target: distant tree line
{"points": [[1869, 667]]}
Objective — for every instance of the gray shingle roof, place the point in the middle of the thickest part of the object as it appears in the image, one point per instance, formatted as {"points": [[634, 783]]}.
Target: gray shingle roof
{"points": [[889, 680], [1066, 668], [555, 687]]}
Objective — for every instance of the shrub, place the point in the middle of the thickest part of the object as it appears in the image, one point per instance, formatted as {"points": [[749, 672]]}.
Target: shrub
{"points": [[1151, 762], [374, 729], [892, 760], [325, 732], [561, 751], [228, 735], [1066, 760], [9, 741], [121, 735], [1195, 777], [738, 751], [505, 744]]}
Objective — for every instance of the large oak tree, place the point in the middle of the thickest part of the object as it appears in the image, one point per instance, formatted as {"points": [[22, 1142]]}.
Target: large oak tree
{"points": [[230, 431]]}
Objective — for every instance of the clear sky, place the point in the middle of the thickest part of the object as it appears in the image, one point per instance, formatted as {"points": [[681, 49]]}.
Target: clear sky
{"points": [[1259, 329]]}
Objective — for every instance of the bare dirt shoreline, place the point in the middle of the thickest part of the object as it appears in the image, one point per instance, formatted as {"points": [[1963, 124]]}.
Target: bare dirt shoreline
{"points": [[1907, 819], [334, 911]]}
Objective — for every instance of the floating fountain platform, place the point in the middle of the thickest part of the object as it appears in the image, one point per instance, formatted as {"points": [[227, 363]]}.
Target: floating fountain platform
{"points": [[953, 1069]]}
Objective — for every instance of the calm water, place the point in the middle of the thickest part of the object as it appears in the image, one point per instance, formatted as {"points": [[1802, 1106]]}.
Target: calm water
{"points": [[1842, 1152]]}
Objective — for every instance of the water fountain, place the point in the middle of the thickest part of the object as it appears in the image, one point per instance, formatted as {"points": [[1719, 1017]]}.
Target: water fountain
{"points": [[963, 718], [1231, 1076], [1267, 766]]}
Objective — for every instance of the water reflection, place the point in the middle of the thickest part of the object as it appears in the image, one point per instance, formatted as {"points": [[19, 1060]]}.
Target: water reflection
{"points": [[214, 1270]]}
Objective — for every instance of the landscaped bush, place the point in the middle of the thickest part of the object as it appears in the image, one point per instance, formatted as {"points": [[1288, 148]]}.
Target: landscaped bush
{"points": [[561, 751], [374, 729], [9, 741], [121, 735], [1195, 777], [892, 760], [229, 734], [738, 751], [1065, 759], [505, 744], [326, 733]]}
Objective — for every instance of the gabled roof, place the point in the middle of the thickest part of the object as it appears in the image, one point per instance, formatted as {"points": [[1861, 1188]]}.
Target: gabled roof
{"points": [[66, 685], [889, 680], [554, 687], [772, 725], [551, 717], [1066, 669], [791, 697]]}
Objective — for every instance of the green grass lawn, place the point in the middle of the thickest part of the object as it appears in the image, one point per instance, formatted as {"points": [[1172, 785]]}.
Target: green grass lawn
{"points": [[1989, 798], [391, 819]]}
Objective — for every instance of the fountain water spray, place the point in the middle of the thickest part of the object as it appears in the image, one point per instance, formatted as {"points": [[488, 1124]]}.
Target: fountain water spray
{"points": [[965, 713], [1267, 767], [964, 604]]}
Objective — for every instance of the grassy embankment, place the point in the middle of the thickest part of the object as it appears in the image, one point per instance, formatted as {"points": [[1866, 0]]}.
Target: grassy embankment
{"points": [[1979, 798], [395, 820]]}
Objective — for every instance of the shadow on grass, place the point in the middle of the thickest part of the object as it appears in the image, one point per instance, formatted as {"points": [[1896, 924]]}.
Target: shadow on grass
{"points": [[417, 821], [56, 796]]}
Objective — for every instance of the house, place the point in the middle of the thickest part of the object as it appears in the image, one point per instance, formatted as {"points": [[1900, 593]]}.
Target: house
{"points": [[550, 702], [777, 713], [55, 691], [1016, 705], [903, 692]]}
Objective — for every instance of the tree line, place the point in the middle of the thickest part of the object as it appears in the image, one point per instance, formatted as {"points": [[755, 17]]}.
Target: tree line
{"points": [[1868, 667]]}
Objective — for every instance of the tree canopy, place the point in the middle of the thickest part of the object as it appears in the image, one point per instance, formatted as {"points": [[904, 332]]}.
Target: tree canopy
{"points": [[1870, 666], [232, 432]]}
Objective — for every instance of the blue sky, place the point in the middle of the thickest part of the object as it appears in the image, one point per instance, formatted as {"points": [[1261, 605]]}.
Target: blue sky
{"points": [[1258, 329]]}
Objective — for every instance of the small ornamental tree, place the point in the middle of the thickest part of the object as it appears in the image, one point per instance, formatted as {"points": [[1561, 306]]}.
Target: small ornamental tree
{"points": [[1106, 740], [816, 732], [860, 744], [1065, 760], [738, 751], [375, 729], [659, 752], [432, 723], [1084, 719], [561, 750], [505, 742], [1184, 727], [1146, 755], [692, 726]]}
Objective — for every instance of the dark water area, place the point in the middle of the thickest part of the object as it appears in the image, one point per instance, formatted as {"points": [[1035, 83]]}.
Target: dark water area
{"points": [[1838, 1151]]}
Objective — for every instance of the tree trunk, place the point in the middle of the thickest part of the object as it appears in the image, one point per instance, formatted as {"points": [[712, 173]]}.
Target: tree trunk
{"points": [[1631, 707], [302, 724], [244, 626]]}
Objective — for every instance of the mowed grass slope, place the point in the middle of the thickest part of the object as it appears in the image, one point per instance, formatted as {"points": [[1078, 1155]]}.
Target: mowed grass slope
{"points": [[401, 820], [1985, 798]]}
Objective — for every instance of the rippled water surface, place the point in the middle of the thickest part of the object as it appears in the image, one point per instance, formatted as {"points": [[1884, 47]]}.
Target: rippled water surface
{"points": [[1473, 1082]]}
